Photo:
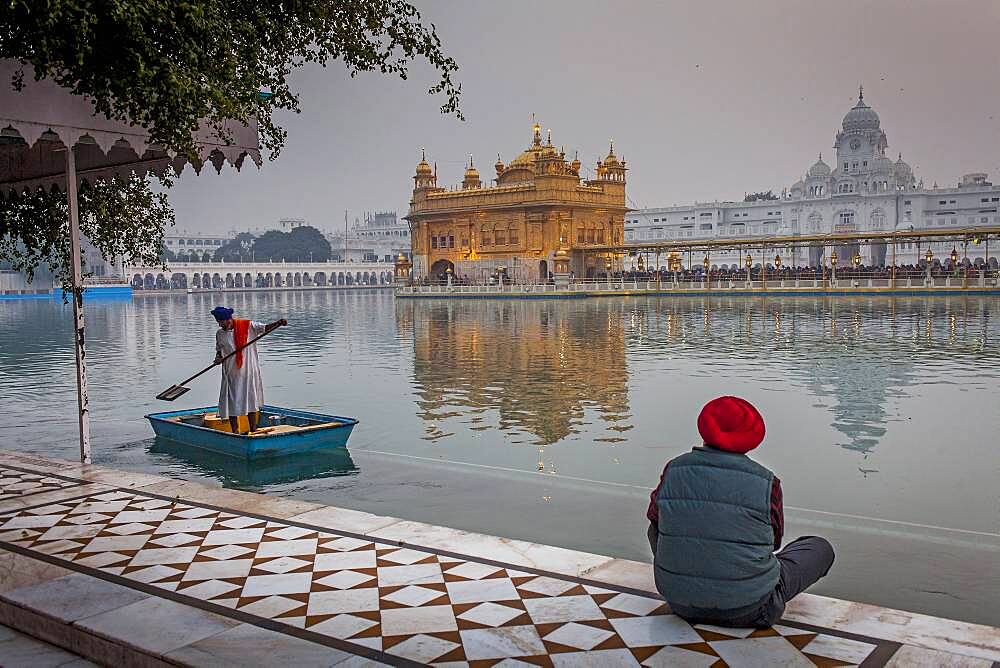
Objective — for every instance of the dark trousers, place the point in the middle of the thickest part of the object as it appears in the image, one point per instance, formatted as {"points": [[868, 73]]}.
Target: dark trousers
{"points": [[803, 561]]}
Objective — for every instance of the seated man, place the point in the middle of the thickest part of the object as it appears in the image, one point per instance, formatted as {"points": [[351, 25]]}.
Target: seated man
{"points": [[716, 519]]}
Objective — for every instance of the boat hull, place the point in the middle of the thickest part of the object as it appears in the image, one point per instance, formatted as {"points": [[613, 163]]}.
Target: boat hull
{"points": [[319, 432]]}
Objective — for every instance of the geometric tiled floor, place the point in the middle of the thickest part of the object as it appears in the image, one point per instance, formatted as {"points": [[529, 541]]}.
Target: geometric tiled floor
{"points": [[390, 603], [16, 483]]}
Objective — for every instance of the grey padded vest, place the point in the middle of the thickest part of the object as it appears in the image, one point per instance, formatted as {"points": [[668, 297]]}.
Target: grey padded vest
{"points": [[715, 545]]}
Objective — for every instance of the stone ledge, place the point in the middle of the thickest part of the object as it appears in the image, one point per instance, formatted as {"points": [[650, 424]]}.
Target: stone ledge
{"points": [[78, 611]]}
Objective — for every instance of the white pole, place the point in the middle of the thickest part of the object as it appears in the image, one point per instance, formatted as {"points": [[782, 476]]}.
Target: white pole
{"points": [[83, 400]]}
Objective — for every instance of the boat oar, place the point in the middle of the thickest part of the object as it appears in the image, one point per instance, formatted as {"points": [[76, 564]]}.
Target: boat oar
{"points": [[178, 390]]}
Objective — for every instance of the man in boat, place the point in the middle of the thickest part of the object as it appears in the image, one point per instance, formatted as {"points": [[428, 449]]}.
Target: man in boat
{"points": [[716, 525], [242, 391]]}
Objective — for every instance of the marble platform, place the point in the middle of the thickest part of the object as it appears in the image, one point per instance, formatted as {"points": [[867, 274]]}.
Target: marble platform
{"points": [[137, 569]]}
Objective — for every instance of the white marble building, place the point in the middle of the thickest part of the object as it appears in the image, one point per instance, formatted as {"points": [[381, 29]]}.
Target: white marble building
{"points": [[380, 237], [864, 190]]}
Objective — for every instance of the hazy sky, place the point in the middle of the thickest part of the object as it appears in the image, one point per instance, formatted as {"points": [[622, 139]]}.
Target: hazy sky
{"points": [[706, 100]]}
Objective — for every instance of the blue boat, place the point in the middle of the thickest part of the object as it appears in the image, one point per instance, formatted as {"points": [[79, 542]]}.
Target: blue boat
{"points": [[286, 431]]}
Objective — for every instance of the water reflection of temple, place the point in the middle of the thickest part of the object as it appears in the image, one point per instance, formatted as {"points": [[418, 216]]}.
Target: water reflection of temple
{"points": [[542, 365], [855, 355]]}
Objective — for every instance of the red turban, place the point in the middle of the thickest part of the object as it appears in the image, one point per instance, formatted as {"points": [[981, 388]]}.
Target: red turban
{"points": [[732, 424]]}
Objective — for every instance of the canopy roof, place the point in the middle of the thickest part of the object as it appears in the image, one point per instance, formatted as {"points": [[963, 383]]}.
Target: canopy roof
{"points": [[40, 121]]}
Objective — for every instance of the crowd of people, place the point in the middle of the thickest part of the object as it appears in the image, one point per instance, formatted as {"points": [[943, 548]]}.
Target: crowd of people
{"points": [[736, 274], [784, 273]]}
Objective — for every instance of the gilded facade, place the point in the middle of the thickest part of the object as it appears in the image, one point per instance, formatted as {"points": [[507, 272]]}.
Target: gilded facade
{"points": [[538, 212], [472, 357]]}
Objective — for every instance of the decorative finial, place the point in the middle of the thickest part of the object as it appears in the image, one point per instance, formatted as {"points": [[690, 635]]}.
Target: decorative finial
{"points": [[861, 93], [900, 156], [612, 149], [821, 156], [423, 154], [470, 160], [550, 136]]}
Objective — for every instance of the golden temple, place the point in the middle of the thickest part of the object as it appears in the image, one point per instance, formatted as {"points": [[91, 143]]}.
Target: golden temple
{"points": [[535, 222]]}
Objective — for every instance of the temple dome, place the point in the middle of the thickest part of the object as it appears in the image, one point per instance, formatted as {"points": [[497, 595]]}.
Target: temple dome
{"points": [[471, 172], [423, 168], [820, 169], [902, 168], [861, 116]]}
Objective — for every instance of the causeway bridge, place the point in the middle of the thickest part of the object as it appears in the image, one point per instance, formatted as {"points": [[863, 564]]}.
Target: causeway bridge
{"points": [[251, 275]]}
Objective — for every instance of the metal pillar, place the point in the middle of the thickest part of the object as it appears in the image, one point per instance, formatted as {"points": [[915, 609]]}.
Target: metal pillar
{"points": [[892, 281], [83, 401]]}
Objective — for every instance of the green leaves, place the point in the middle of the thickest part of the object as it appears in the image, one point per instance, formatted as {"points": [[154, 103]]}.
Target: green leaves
{"points": [[302, 244], [167, 64], [123, 218]]}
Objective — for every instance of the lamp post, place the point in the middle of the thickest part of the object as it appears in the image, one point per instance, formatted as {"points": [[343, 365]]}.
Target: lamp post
{"points": [[777, 266], [833, 268], [928, 256], [607, 269], [447, 273], [708, 276], [954, 261], [749, 263]]}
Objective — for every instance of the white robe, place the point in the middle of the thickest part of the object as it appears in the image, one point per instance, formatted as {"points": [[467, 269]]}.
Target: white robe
{"points": [[242, 391]]}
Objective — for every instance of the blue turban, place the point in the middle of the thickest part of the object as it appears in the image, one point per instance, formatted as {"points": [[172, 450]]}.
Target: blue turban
{"points": [[221, 313]]}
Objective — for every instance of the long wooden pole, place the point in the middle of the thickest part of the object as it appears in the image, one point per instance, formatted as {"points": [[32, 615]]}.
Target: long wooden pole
{"points": [[83, 400]]}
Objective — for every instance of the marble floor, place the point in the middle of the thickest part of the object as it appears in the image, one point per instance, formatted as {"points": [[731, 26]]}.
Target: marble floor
{"points": [[374, 598], [17, 649]]}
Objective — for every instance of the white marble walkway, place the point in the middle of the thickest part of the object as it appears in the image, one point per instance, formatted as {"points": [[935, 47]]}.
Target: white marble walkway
{"points": [[194, 575]]}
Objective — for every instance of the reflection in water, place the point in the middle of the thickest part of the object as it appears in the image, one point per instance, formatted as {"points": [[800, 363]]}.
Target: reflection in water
{"points": [[245, 473], [877, 407], [540, 366]]}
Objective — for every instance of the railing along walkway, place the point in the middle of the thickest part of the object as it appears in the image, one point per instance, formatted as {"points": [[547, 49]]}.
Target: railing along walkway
{"points": [[838, 285]]}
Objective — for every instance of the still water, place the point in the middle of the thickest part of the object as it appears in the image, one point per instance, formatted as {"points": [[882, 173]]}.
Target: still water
{"points": [[550, 420]]}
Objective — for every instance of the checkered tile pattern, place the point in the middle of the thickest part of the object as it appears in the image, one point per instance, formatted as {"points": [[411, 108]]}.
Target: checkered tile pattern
{"points": [[408, 603], [15, 483]]}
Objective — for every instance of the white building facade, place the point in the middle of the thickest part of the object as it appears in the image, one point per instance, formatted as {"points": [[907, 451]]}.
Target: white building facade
{"points": [[864, 190], [380, 237]]}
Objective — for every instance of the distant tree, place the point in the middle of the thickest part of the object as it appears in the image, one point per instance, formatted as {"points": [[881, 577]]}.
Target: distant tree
{"points": [[760, 197], [236, 249], [34, 228], [301, 244], [312, 244], [169, 66]]}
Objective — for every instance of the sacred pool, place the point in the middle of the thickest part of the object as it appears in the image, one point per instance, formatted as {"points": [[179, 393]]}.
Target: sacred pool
{"points": [[550, 420]]}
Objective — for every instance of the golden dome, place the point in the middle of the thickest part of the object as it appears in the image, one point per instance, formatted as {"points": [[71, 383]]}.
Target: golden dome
{"points": [[611, 159], [526, 159], [471, 172], [423, 168]]}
